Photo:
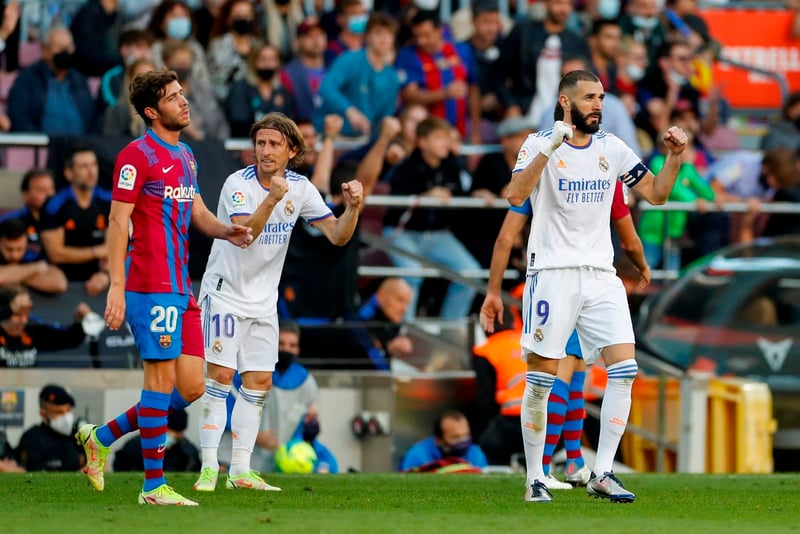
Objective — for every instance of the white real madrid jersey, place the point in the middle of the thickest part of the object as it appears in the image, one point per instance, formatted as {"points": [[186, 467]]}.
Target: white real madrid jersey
{"points": [[571, 204], [245, 281]]}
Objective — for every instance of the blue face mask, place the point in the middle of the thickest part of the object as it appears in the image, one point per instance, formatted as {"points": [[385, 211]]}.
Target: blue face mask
{"points": [[357, 24], [608, 9], [179, 28]]}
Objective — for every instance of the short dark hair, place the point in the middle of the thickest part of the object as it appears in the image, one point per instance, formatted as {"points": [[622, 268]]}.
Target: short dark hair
{"points": [[571, 79], [448, 414], [381, 20], [425, 15], [13, 228], [28, 177], [78, 148], [134, 36], [287, 325], [287, 127], [148, 88], [599, 24], [344, 171], [430, 125]]}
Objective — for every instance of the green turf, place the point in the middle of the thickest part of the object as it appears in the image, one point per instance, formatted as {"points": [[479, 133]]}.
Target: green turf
{"points": [[373, 503]]}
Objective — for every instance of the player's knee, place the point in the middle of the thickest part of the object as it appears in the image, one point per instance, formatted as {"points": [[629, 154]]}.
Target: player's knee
{"points": [[223, 375], [193, 391], [260, 381]]}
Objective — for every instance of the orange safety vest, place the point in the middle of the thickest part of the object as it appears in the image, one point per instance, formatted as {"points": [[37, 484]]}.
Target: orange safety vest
{"points": [[502, 350]]}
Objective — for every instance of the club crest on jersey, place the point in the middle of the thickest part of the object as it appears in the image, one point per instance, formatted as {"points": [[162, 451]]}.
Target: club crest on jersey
{"points": [[538, 335], [180, 193], [238, 199], [288, 209], [522, 156], [603, 164], [165, 341], [127, 177], [217, 347]]}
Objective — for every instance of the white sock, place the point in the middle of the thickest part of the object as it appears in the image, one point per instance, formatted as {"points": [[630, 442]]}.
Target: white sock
{"points": [[245, 421], [614, 413], [533, 418], [213, 417]]}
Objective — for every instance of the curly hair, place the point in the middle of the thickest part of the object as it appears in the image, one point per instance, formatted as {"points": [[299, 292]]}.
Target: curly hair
{"points": [[148, 88]]}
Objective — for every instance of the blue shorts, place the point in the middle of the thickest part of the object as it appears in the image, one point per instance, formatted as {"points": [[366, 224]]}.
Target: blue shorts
{"points": [[574, 345], [164, 324]]}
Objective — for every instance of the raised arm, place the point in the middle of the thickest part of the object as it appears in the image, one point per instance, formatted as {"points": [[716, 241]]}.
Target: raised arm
{"points": [[656, 188], [340, 230]]}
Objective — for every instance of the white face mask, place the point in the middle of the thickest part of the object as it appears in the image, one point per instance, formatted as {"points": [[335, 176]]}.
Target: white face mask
{"points": [[427, 5], [63, 423], [645, 23], [677, 78], [634, 72], [608, 9]]}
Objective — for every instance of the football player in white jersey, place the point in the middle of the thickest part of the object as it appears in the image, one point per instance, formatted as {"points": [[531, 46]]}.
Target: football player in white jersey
{"points": [[569, 175], [239, 292]]}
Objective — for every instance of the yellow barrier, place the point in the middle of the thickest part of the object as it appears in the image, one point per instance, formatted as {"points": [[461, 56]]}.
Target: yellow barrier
{"points": [[739, 425]]}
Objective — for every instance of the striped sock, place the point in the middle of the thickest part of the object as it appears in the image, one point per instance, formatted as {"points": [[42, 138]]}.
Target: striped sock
{"points": [[118, 427], [573, 424], [533, 419], [614, 412], [556, 410], [153, 431], [128, 421]]}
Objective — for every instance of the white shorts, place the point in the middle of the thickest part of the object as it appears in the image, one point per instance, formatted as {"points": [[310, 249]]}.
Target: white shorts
{"points": [[556, 301], [237, 342]]}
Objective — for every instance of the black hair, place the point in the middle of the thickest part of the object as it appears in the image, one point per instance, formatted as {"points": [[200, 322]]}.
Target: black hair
{"points": [[13, 228], [28, 177], [448, 414]]}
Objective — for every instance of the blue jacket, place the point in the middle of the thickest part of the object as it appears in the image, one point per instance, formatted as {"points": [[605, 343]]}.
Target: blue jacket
{"points": [[426, 451], [352, 81], [28, 95]]}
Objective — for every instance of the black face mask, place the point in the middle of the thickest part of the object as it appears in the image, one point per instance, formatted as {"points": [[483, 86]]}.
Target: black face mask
{"points": [[265, 74], [62, 60], [797, 123], [311, 430], [283, 2], [183, 74], [285, 359], [458, 449], [242, 26]]}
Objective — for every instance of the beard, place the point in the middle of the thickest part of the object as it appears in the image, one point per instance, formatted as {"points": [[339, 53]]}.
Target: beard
{"points": [[581, 121]]}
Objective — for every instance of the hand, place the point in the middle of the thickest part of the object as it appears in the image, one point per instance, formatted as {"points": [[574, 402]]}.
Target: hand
{"points": [[10, 19], [644, 277], [675, 140], [239, 235], [278, 187], [400, 345], [332, 126], [702, 205], [457, 89], [395, 154], [5, 123], [115, 307], [485, 194], [491, 311], [81, 310], [7, 465], [561, 131], [442, 193], [353, 193], [97, 283], [390, 127], [358, 120]]}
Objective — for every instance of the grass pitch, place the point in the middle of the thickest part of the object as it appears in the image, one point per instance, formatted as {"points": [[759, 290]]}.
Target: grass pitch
{"points": [[377, 503]]}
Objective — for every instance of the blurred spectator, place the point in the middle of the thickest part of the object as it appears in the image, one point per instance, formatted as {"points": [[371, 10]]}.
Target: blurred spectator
{"points": [[689, 187], [8, 462], [233, 39], [532, 60], [303, 75], [737, 177], [204, 18], [9, 35], [440, 75], [430, 171], [683, 15], [122, 118], [50, 96], [794, 7], [363, 86], [180, 454], [489, 182], [318, 159], [631, 67], [208, 120], [283, 18], [604, 39], [451, 440], [403, 144], [136, 14], [781, 175], [134, 45], [21, 339], [351, 17], [74, 223], [484, 45], [785, 132], [462, 22], [50, 445], [259, 93], [171, 23], [36, 187], [95, 28], [19, 267], [665, 85], [293, 399], [642, 21]]}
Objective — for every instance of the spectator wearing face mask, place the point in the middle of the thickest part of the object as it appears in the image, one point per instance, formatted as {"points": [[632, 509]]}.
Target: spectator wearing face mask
{"points": [[351, 17], [451, 440], [50, 445], [234, 37], [170, 24], [642, 21]]}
